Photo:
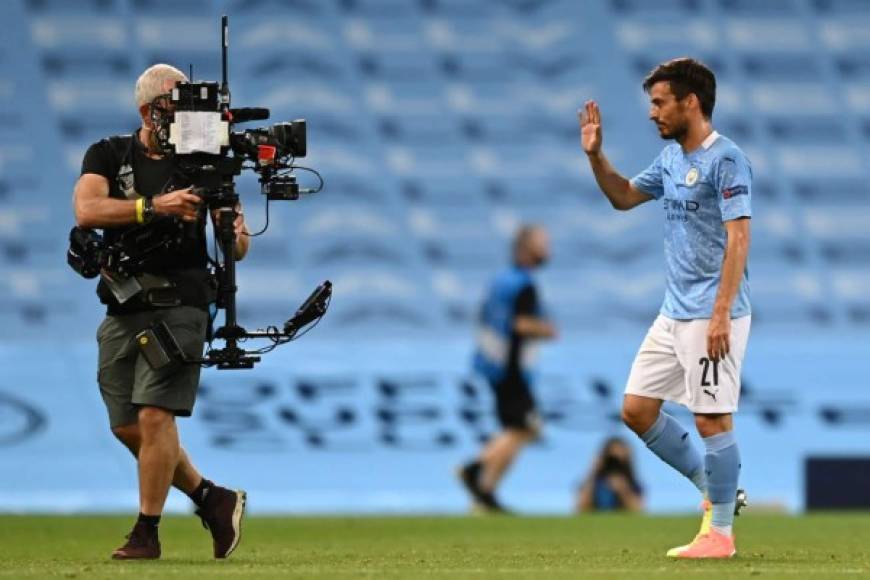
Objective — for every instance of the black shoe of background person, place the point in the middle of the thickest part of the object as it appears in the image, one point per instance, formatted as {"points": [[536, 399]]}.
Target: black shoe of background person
{"points": [[142, 544], [221, 514], [489, 504], [469, 475]]}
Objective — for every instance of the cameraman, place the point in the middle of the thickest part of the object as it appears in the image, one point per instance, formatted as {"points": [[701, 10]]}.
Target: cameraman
{"points": [[125, 183]]}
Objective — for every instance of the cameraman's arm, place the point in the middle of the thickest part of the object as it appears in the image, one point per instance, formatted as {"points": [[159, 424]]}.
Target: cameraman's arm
{"points": [[243, 239], [95, 209]]}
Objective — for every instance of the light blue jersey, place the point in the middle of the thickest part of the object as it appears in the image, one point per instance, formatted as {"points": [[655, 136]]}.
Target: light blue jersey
{"points": [[700, 190]]}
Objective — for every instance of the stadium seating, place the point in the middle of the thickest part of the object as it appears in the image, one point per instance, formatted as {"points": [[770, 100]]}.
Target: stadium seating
{"points": [[439, 127]]}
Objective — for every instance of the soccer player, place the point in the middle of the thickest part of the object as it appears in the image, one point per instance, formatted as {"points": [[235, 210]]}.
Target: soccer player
{"points": [[694, 350], [511, 322]]}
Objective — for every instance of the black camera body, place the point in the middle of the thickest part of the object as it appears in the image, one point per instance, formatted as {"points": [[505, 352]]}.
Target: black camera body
{"points": [[194, 125]]}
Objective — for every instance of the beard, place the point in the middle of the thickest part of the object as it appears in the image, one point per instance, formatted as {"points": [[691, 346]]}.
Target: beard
{"points": [[673, 133]]}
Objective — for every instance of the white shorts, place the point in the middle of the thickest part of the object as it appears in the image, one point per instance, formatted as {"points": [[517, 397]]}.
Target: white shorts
{"points": [[672, 365]]}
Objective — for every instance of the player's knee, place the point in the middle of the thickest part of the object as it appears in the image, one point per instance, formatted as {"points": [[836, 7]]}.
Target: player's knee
{"points": [[636, 419], [709, 425]]}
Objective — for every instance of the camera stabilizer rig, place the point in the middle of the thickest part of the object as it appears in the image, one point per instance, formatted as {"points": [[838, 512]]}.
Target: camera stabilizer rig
{"points": [[193, 126], [196, 130]]}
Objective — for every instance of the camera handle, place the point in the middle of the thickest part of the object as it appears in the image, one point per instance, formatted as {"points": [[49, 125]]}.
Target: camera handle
{"points": [[231, 356]]}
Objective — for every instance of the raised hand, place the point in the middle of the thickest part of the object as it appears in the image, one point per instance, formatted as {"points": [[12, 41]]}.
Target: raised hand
{"points": [[590, 127]]}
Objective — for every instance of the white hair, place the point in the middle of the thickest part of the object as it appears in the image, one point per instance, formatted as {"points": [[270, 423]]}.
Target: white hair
{"points": [[150, 84]]}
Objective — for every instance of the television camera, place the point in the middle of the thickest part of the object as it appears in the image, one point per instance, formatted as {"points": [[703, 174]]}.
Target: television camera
{"points": [[194, 126]]}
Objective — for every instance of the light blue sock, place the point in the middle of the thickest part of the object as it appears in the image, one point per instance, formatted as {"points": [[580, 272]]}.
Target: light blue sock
{"points": [[667, 439], [723, 470]]}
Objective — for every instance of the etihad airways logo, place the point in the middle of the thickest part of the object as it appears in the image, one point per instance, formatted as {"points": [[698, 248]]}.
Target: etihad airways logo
{"points": [[679, 209]]}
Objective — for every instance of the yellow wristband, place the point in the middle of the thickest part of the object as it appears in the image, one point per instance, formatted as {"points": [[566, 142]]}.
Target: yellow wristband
{"points": [[140, 210]]}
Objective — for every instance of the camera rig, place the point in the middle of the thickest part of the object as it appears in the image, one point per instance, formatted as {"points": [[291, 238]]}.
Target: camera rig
{"points": [[193, 125]]}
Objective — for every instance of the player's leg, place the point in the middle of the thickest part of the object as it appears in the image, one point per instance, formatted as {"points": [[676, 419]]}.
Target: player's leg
{"points": [[664, 436], [722, 463], [656, 375], [713, 390]]}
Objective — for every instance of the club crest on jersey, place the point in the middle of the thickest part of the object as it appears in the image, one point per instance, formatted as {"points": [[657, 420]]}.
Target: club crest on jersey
{"points": [[692, 176]]}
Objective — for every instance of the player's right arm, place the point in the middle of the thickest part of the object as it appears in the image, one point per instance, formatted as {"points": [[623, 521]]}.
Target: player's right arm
{"points": [[619, 190], [95, 209]]}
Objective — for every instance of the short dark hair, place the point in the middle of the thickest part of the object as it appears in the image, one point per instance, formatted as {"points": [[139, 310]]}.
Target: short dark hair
{"points": [[686, 75]]}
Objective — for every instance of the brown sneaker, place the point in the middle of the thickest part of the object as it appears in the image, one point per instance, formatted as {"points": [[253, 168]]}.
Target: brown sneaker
{"points": [[222, 515], [142, 544]]}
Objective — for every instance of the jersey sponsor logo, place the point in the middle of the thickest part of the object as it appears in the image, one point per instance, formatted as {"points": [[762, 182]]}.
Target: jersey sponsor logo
{"points": [[672, 204], [692, 176], [734, 191], [676, 209]]}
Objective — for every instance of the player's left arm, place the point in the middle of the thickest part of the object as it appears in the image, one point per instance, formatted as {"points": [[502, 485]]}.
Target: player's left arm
{"points": [[733, 266], [733, 183]]}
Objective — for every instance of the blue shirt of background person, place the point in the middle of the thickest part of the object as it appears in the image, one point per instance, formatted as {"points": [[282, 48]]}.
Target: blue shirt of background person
{"points": [[500, 349], [511, 321]]}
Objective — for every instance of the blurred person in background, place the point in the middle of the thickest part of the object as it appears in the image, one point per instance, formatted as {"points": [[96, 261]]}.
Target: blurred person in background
{"points": [[693, 352], [126, 183], [611, 483], [511, 323]]}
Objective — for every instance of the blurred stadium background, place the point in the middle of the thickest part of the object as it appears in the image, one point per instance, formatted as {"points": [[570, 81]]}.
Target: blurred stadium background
{"points": [[439, 126]]}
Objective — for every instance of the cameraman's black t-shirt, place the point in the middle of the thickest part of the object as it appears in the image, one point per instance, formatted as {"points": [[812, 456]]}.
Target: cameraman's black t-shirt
{"points": [[187, 266], [152, 175]]}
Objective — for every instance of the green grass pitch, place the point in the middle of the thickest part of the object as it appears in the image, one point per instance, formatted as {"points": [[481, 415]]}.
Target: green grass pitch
{"points": [[601, 546]]}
